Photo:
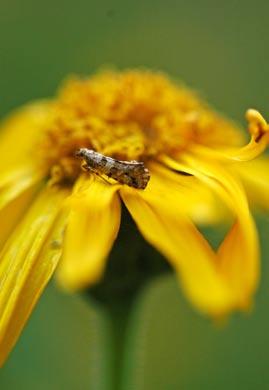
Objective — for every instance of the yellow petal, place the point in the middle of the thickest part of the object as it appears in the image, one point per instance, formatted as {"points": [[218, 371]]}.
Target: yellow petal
{"points": [[259, 131], [238, 255], [17, 189], [18, 134], [175, 236], [92, 228], [192, 197], [12, 212], [255, 178], [14, 182], [27, 263]]}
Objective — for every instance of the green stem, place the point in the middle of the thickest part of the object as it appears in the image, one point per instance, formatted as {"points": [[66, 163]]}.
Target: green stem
{"points": [[119, 316], [131, 264]]}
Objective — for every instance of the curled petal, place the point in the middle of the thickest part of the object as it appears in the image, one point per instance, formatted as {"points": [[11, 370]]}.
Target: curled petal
{"points": [[176, 237], [237, 260], [259, 131]]}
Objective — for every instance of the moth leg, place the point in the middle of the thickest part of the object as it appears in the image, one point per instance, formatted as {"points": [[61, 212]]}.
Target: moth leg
{"points": [[102, 177], [98, 174], [85, 167]]}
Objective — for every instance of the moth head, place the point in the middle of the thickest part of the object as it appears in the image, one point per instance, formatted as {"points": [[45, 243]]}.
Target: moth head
{"points": [[82, 152]]}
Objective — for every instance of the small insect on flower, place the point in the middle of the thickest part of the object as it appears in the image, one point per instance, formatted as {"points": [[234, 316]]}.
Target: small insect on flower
{"points": [[133, 173], [201, 171]]}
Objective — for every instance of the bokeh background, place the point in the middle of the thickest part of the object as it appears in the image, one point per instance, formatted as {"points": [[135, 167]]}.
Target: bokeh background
{"points": [[218, 48]]}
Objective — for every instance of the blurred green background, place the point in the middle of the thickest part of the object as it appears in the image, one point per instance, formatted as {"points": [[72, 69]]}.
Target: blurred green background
{"points": [[218, 48]]}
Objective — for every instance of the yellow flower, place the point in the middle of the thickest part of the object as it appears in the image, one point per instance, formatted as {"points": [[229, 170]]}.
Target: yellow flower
{"points": [[51, 209]]}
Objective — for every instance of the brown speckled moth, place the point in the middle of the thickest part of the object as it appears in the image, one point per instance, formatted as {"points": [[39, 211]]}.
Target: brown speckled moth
{"points": [[132, 173]]}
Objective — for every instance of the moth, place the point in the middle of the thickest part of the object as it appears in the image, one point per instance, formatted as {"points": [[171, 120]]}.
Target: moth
{"points": [[132, 173]]}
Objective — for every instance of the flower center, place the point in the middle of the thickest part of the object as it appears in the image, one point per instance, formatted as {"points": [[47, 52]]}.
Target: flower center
{"points": [[129, 116]]}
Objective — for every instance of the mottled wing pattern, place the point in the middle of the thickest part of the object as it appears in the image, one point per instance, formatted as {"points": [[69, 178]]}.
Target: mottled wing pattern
{"points": [[131, 173]]}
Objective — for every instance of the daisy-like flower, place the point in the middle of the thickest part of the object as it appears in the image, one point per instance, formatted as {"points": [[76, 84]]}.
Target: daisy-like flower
{"points": [[53, 212]]}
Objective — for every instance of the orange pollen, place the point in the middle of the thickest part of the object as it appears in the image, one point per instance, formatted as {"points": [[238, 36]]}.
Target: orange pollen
{"points": [[133, 115]]}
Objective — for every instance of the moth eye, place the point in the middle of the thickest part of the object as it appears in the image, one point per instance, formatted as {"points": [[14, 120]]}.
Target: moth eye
{"points": [[79, 153]]}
